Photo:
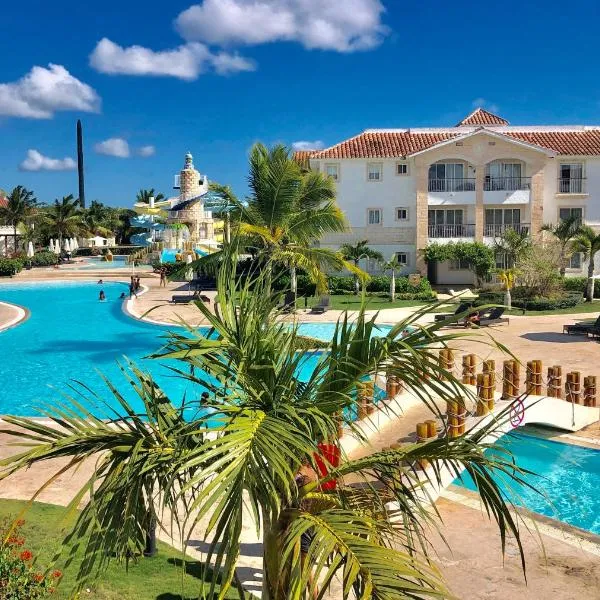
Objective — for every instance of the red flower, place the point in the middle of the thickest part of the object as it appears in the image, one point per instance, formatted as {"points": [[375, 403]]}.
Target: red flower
{"points": [[20, 522], [38, 577], [26, 555], [57, 574]]}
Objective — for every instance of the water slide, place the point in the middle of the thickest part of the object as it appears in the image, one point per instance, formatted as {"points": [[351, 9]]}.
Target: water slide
{"points": [[147, 223]]}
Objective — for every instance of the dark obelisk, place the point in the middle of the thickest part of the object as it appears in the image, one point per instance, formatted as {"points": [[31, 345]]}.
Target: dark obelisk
{"points": [[80, 164]]}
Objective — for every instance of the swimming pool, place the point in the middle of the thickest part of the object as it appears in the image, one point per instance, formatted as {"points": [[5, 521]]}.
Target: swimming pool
{"points": [[567, 475], [169, 255], [118, 262], [70, 335]]}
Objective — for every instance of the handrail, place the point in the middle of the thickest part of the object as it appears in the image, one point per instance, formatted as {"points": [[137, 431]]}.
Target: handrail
{"points": [[571, 185], [496, 230], [512, 184], [452, 231], [452, 184]]}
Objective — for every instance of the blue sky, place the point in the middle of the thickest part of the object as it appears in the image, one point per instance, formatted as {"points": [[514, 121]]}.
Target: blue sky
{"points": [[285, 71]]}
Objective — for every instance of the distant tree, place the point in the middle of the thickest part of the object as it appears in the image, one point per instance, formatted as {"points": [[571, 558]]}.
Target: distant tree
{"points": [[355, 253], [588, 243], [64, 218], [513, 244], [392, 265], [19, 206], [565, 232], [145, 195]]}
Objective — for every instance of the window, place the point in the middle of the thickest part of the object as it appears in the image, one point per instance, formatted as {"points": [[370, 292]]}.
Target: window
{"points": [[402, 213], [402, 168], [575, 261], [402, 258], [498, 220], [459, 265], [570, 178], [333, 171], [374, 171], [449, 177], [503, 261], [567, 213], [374, 216], [446, 223], [504, 176]]}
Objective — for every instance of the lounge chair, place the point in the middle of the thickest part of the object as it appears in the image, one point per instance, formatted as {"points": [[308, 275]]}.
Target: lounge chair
{"points": [[463, 307], [492, 316], [289, 302], [182, 298], [582, 328], [322, 307]]}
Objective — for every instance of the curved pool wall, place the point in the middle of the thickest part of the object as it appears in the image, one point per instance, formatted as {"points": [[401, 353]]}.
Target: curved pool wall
{"points": [[566, 475], [71, 335]]}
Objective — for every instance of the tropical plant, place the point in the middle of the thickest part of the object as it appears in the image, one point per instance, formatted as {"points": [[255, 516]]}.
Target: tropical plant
{"points": [[479, 256], [242, 449], [507, 278], [19, 206], [355, 253], [392, 265], [539, 270], [144, 196], [587, 242], [513, 245], [287, 212], [565, 232], [64, 218]]}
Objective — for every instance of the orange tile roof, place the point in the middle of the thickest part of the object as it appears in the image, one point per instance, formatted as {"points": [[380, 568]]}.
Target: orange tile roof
{"points": [[481, 116], [384, 144], [302, 156], [585, 143], [3, 201]]}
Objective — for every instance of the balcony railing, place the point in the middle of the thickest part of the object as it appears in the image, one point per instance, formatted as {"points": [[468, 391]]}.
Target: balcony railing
{"points": [[491, 230], [460, 184], [451, 231], [571, 185], [509, 184]]}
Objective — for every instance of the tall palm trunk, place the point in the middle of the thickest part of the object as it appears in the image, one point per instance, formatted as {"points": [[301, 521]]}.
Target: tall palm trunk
{"points": [[589, 292], [356, 282], [563, 260], [293, 280], [393, 286], [15, 238]]}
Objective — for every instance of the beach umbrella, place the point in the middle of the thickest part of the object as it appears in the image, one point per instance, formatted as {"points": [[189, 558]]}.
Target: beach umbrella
{"points": [[76, 244], [51, 245], [30, 251]]}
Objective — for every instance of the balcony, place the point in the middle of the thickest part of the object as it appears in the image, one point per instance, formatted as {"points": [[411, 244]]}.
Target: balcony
{"points": [[451, 231], [508, 184], [461, 184], [571, 185], [497, 230]]}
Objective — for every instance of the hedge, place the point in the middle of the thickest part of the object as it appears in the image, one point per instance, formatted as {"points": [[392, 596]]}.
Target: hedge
{"points": [[10, 266], [381, 283], [44, 258], [568, 300], [579, 284]]}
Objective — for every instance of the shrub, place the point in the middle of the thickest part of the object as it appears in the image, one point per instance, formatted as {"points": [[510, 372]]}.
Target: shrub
{"points": [[579, 284], [10, 267], [539, 270], [44, 258], [481, 258], [170, 267], [522, 299], [379, 283], [340, 283], [18, 577]]}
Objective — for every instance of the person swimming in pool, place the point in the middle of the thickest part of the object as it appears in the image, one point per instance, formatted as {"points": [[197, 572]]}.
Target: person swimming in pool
{"points": [[122, 296], [100, 282], [102, 296]]}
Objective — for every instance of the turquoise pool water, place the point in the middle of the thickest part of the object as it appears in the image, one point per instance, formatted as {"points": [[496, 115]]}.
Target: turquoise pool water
{"points": [[70, 335], [168, 255], [118, 262], [568, 477]]}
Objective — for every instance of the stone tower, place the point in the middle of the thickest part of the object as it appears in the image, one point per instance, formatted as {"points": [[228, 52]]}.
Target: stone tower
{"points": [[190, 185]]}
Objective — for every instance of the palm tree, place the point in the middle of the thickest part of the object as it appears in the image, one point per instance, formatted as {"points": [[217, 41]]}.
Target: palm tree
{"points": [[513, 244], [260, 425], [145, 195], [588, 243], [64, 218], [392, 265], [19, 206], [565, 232], [287, 212], [356, 253]]}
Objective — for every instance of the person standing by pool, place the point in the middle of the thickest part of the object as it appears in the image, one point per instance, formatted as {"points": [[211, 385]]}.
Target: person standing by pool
{"points": [[132, 289], [163, 277]]}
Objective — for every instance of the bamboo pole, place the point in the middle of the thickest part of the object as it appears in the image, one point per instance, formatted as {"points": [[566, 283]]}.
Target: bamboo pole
{"points": [[369, 387], [510, 385], [573, 387], [453, 428], [468, 369], [362, 401], [483, 381], [589, 391]]}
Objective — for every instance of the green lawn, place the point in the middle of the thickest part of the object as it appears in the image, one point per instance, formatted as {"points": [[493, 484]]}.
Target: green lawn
{"points": [[159, 578], [350, 302]]}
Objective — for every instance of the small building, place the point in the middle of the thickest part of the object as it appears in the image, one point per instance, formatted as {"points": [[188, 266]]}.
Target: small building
{"points": [[96, 241]]}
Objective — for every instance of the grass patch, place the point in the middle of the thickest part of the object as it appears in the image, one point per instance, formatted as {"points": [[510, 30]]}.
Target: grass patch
{"points": [[167, 576], [350, 302]]}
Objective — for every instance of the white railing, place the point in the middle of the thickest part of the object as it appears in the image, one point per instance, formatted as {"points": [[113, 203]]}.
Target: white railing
{"points": [[496, 230], [460, 184], [451, 231], [571, 185], [511, 184]]}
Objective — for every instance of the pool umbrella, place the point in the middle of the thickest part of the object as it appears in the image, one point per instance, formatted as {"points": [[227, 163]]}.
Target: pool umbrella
{"points": [[30, 251]]}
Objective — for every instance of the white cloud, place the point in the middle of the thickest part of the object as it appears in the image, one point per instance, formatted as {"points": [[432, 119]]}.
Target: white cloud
{"points": [[323, 24], [36, 161], [184, 62], [306, 145], [44, 91], [113, 147], [146, 151], [483, 103]]}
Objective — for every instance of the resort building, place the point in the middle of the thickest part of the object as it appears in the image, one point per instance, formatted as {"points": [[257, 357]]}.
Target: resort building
{"points": [[404, 188]]}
